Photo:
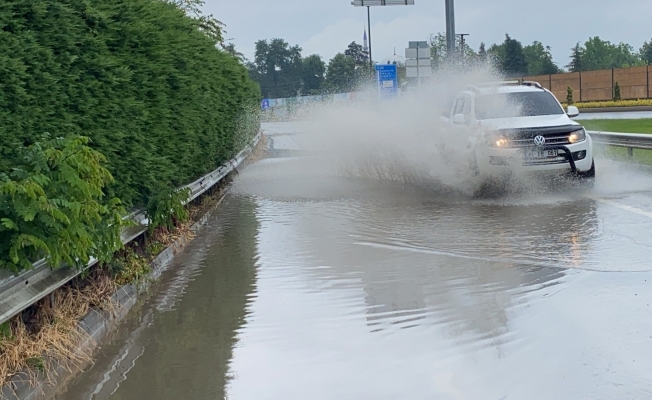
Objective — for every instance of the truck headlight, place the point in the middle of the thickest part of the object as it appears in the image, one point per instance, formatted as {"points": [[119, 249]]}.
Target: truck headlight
{"points": [[577, 136], [497, 140]]}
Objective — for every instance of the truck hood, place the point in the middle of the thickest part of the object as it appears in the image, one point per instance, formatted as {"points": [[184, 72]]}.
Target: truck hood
{"points": [[527, 122]]}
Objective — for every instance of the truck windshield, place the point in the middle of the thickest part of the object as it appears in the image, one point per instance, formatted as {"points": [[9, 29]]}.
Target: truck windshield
{"points": [[520, 104]]}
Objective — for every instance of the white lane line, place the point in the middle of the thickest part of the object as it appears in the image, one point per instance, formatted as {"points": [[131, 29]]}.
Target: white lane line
{"points": [[623, 206]]}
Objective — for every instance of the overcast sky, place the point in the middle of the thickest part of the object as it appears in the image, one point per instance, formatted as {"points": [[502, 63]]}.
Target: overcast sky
{"points": [[326, 27]]}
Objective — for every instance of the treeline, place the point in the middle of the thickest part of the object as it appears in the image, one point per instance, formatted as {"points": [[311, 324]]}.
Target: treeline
{"points": [[594, 54], [146, 81], [282, 71]]}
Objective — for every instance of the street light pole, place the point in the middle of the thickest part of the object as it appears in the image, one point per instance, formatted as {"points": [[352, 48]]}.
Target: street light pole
{"points": [[450, 25]]}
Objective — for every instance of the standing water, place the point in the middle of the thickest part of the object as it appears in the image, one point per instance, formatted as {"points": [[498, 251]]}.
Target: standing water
{"points": [[384, 279]]}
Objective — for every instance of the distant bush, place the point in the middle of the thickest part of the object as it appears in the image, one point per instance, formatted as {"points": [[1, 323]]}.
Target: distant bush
{"points": [[138, 77], [569, 95], [617, 92], [621, 103]]}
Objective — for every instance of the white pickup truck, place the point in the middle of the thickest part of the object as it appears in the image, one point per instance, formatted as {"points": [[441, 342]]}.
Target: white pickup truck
{"points": [[521, 126]]}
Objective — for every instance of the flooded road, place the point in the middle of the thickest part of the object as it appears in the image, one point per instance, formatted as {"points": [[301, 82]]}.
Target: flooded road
{"points": [[304, 285]]}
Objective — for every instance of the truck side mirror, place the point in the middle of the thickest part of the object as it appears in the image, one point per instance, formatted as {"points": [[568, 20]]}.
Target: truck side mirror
{"points": [[458, 119], [573, 111]]}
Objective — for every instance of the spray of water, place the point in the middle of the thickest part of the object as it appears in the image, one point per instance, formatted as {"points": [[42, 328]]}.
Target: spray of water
{"points": [[402, 139], [405, 140]]}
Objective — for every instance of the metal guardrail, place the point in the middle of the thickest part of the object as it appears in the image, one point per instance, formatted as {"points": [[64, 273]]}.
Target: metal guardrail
{"points": [[17, 292], [630, 141]]}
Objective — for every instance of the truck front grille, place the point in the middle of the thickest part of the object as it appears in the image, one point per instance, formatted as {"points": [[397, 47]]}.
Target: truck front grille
{"points": [[520, 138]]}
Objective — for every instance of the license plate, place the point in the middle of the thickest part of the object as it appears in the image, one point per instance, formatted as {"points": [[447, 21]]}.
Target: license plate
{"points": [[538, 154]]}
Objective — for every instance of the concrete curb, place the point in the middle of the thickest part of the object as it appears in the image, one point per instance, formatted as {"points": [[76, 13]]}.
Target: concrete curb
{"points": [[98, 324]]}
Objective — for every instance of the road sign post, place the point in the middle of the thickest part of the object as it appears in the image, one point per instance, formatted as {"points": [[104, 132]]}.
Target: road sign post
{"points": [[375, 3], [387, 80], [417, 61]]}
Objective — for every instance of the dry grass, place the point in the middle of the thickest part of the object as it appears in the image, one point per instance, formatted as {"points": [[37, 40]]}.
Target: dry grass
{"points": [[169, 237], [48, 334]]}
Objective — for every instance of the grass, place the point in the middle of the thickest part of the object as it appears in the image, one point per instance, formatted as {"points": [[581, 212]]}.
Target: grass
{"points": [[618, 125], [626, 126], [620, 154]]}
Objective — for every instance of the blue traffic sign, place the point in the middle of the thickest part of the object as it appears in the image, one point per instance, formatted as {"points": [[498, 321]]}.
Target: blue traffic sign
{"points": [[264, 104], [387, 80]]}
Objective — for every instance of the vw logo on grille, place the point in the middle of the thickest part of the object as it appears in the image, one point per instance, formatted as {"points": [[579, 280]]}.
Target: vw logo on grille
{"points": [[539, 140]]}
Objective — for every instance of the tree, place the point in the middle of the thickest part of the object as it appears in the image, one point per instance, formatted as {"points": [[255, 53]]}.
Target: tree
{"points": [[230, 48], [439, 49], [356, 52], [602, 54], [314, 70], [482, 52], [539, 60], [340, 74], [577, 59], [208, 24], [278, 68], [514, 62], [646, 52]]}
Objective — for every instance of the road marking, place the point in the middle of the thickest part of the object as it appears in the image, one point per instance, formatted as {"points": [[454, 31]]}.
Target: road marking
{"points": [[623, 206]]}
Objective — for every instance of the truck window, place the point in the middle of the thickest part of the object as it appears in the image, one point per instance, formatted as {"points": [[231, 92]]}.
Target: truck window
{"points": [[518, 104], [466, 109], [459, 106]]}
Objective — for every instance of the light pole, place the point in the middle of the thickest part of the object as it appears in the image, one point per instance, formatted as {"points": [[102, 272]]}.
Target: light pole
{"points": [[373, 3], [450, 25]]}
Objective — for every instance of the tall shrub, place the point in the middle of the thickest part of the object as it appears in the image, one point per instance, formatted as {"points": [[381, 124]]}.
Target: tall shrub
{"points": [[52, 206], [138, 77]]}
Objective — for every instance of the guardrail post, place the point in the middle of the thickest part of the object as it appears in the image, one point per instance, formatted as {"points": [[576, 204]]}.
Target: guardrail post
{"points": [[630, 151]]}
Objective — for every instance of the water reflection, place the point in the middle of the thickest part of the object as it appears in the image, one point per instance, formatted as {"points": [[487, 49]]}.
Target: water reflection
{"points": [[430, 262], [180, 345]]}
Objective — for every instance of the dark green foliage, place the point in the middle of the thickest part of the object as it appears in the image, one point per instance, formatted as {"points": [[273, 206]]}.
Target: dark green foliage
{"points": [[356, 52], [569, 95], [278, 68], [52, 206], [599, 54], [514, 62], [482, 52], [539, 60], [577, 64], [617, 92], [340, 74], [314, 71], [167, 209], [646, 52], [139, 77]]}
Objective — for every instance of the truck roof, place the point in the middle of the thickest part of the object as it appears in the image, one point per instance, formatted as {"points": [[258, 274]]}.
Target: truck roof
{"points": [[505, 87]]}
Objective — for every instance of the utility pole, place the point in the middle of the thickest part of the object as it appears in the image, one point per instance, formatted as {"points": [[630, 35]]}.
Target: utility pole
{"points": [[450, 26]]}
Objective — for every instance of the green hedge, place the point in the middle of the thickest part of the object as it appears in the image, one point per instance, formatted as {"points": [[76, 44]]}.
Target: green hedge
{"points": [[152, 92]]}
